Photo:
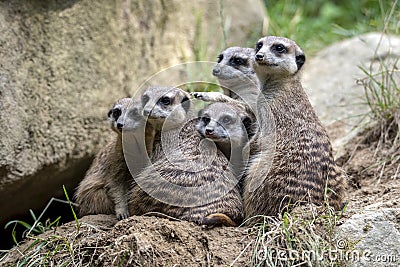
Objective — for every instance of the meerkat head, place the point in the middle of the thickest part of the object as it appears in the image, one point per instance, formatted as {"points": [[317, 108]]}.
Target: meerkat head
{"points": [[116, 115], [276, 58], [234, 66], [134, 118], [224, 123], [162, 103]]}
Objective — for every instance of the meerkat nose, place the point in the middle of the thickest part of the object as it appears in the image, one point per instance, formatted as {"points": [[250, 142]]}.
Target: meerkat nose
{"points": [[259, 57], [209, 131], [120, 125], [216, 71], [146, 112]]}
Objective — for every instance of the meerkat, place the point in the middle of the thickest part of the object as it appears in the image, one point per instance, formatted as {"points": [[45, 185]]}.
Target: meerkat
{"points": [[229, 126], [296, 164], [236, 76], [189, 178], [105, 187]]}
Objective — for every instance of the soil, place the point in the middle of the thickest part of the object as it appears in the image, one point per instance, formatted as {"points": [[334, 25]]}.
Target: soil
{"points": [[154, 241], [373, 167]]}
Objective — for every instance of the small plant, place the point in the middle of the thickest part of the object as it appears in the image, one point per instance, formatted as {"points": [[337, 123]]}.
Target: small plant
{"points": [[303, 236], [382, 92], [38, 227], [39, 251]]}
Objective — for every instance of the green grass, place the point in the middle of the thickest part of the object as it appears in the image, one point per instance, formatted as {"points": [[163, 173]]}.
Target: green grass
{"points": [[41, 250], [302, 237], [316, 24]]}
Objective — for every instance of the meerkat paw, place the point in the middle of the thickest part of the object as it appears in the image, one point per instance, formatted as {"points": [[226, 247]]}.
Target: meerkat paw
{"points": [[217, 219], [122, 214]]}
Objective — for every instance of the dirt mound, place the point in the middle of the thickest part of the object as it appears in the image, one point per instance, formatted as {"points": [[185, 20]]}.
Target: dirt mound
{"points": [[137, 241], [372, 161]]}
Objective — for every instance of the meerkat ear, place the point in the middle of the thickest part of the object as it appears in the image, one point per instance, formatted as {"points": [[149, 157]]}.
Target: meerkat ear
{"points": [[300, 58], [185, 102], [247, 122], [200, 113]]}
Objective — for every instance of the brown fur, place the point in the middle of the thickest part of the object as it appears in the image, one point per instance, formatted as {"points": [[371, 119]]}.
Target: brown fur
{"points": [[301, 161], [105, 187], [180, 147]]}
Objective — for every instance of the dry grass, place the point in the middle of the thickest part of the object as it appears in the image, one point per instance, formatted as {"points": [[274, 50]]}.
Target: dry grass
{"points": [[303, 237]]}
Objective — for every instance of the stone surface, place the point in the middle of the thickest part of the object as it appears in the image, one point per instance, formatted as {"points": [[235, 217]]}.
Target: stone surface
{"points": [[63, 64], [330, 79], [374, 235]]}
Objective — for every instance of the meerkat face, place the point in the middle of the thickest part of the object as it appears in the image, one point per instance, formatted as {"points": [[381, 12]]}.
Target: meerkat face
{"points": [[133, 118], [224, 123], [277, 57], [233, 65], [162, 103], [117, 114]]}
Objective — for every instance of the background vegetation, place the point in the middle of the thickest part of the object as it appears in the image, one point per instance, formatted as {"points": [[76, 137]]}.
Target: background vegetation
{"points": [[318, 23]]}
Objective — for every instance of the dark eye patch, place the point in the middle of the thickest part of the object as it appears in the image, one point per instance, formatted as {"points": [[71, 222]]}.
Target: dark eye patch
{"points": [[134, 112], [165, 100], [205, 120], [116, 113], [280, 48], [238, 61], [258, 46], [227, 119], [220, 58]]}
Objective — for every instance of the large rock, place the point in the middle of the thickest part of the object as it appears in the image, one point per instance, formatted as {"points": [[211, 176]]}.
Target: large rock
{"points": [[63, 63], [330, 78], [372, 237]]}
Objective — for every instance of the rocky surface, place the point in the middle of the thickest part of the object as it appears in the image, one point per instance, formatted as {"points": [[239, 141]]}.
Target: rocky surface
{"points": [[63, 64], [330, 79], [374, 235]]}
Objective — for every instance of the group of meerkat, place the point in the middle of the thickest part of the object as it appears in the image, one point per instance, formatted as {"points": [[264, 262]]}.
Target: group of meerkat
{"points": [[256, 149]]}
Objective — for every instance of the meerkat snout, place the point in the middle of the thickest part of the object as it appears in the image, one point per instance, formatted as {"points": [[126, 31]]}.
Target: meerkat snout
{"points": [[259, 57], [146, 112], [216, 70]]}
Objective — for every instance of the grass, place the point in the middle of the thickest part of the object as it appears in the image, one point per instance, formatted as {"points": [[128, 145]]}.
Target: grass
{"points": [[302, 237], [382, 93], [316, 24], [41, 249]]}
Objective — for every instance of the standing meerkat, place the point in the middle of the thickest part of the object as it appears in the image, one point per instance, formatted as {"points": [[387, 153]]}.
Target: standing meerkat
{"points": [[229, 126], [236, 76], [188, 179], [105, 187], [302, 164]]}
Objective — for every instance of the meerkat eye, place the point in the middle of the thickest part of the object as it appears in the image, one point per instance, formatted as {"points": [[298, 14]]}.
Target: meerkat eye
{"points": [[165, 100], [116, 112], [134, 112], [280, 48], [220, 58], [239, 61], [205, 120], [258, 46], [227, 119]]}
